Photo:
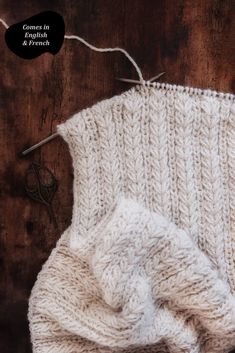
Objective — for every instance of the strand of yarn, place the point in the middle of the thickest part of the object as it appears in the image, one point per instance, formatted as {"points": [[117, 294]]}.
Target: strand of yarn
{"points": [[101, 50], [4, 23]]}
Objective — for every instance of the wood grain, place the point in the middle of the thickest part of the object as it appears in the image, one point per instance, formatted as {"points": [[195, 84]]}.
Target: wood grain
{"points": [[192, 41]]}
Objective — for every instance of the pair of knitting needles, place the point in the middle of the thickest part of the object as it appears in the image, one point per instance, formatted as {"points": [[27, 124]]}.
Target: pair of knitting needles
{"points": [[54, 135], [102, 50]]}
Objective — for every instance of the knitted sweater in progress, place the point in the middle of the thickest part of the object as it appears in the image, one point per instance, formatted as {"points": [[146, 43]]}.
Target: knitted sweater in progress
{"points": [[148, 262]]}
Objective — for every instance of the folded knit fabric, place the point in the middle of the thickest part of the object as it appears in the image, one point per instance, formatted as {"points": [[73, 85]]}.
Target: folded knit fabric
{"points": [[148, 263]]}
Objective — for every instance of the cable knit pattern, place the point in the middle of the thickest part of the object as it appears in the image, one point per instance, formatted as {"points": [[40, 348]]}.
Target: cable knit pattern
{"points": [[148, 262]]}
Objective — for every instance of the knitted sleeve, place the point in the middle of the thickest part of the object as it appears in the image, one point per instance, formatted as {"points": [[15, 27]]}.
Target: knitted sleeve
{"points": [[147, 282]]}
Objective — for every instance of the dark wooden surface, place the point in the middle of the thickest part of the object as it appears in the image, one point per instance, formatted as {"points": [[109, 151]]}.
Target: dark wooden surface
{"points": [[192, 41]]}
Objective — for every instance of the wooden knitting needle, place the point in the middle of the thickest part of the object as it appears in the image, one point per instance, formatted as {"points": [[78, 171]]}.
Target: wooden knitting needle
{"points": [[55, 134], [40, 143], [137, 81]]}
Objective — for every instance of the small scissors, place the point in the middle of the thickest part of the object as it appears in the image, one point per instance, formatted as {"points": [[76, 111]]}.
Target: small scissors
{"points": [[41, 185]]}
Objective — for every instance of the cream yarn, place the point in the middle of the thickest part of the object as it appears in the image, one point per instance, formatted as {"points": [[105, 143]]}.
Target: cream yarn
{"points": [[148, 263]]}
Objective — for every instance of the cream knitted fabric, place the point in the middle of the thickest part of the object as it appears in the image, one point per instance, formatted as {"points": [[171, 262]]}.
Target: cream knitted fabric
{"points": [[148, 263]]}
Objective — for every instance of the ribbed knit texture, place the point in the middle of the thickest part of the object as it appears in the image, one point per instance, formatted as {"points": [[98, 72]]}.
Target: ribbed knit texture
{"points": [[148, 262]]}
